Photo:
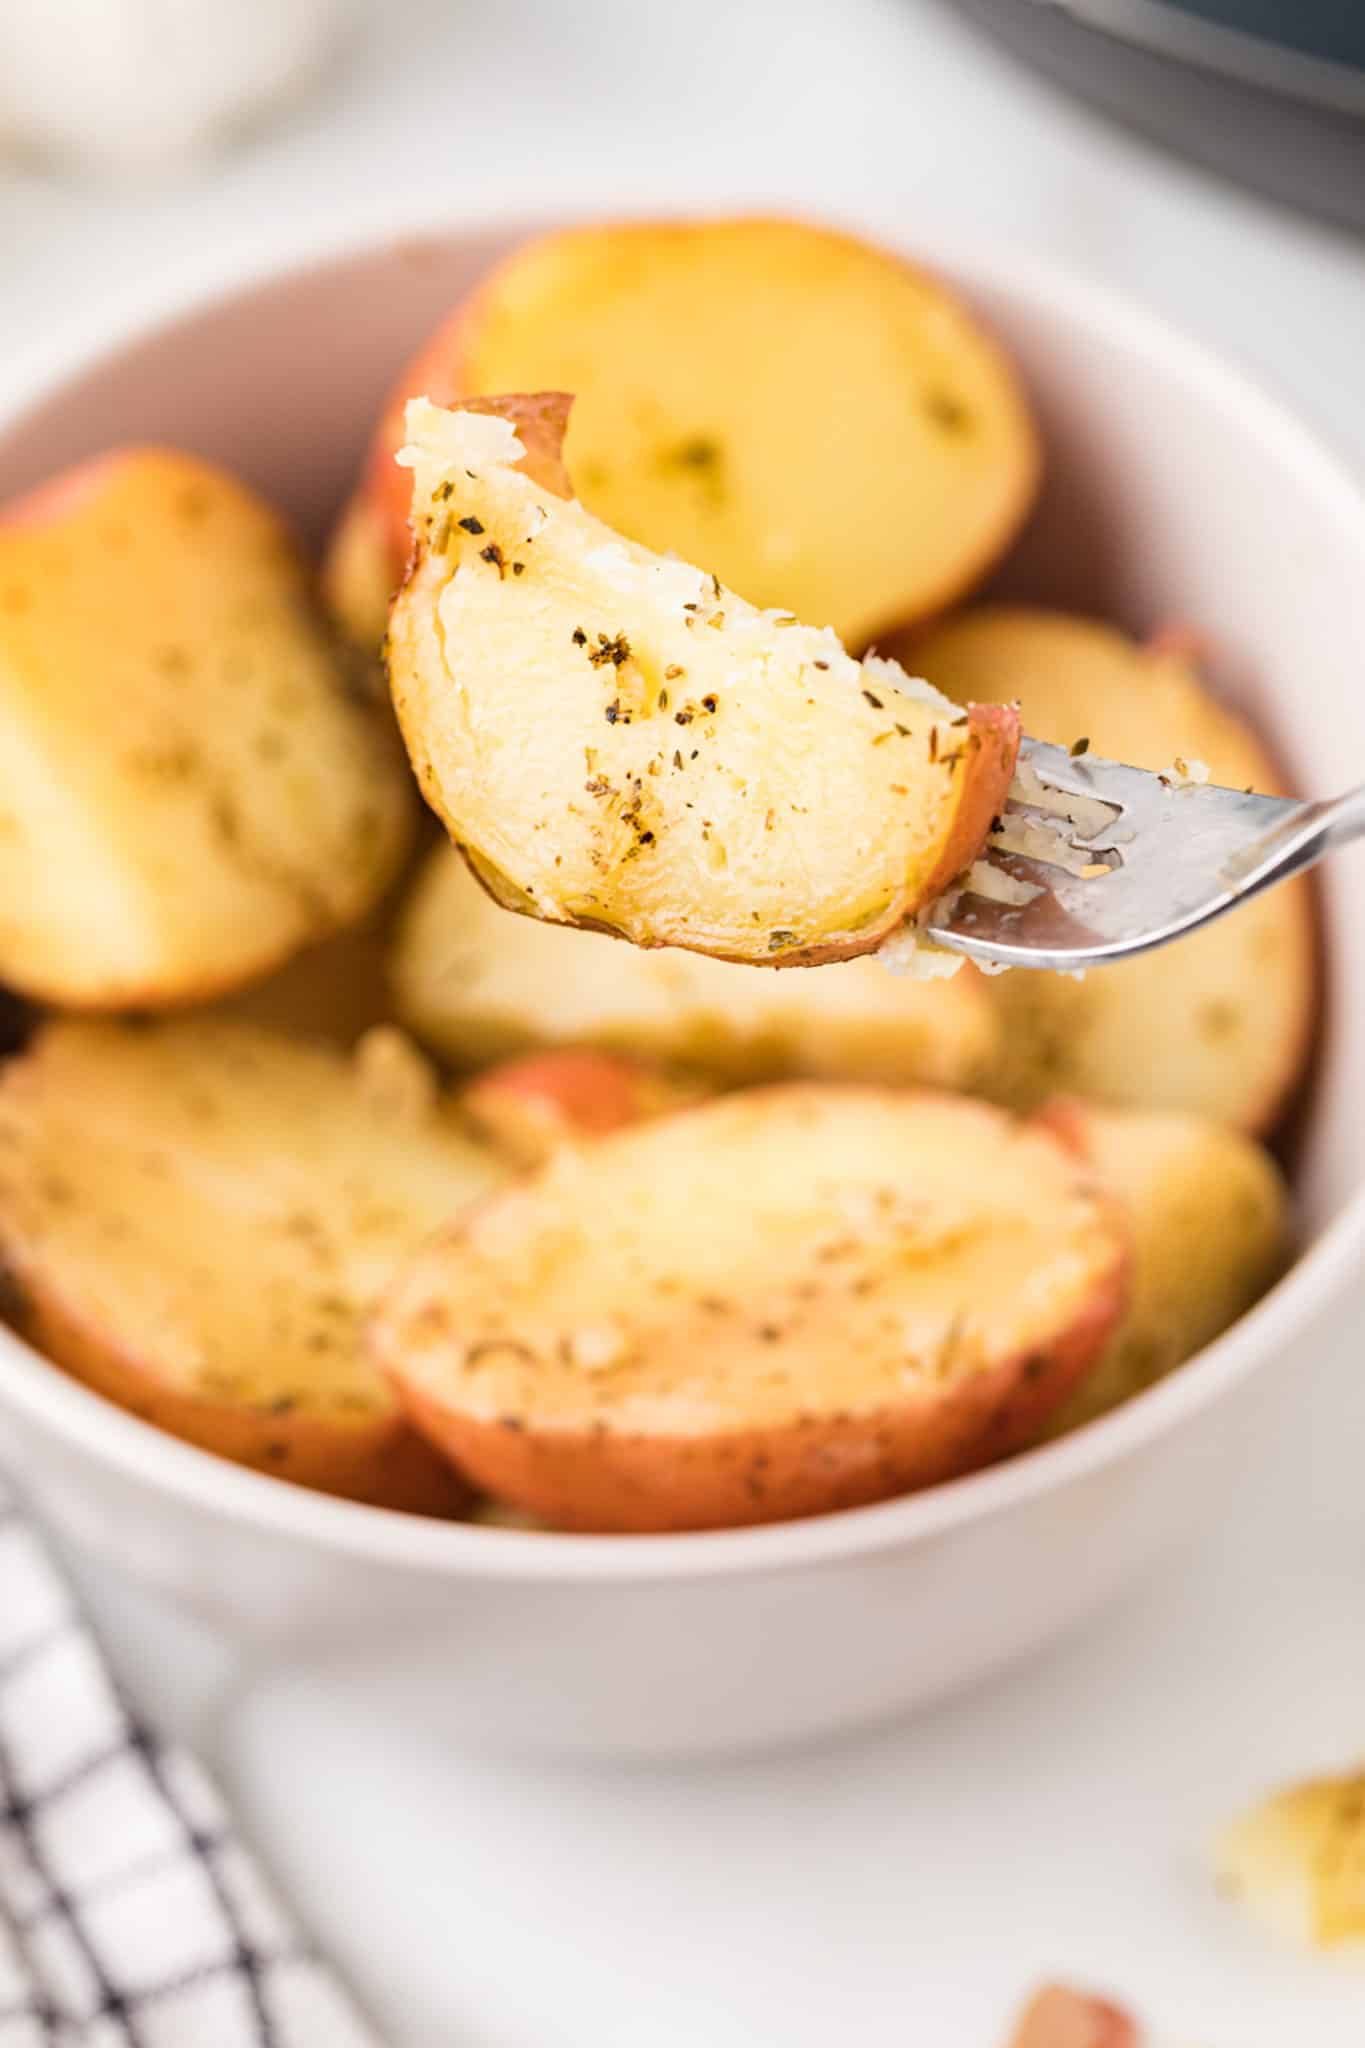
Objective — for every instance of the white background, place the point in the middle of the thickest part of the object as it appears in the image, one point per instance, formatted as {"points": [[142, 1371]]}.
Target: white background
{"points": [[901, 1891]]}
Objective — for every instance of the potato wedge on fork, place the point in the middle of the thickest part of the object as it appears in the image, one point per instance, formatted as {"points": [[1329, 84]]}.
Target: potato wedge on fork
{"points": [[617, 741]]}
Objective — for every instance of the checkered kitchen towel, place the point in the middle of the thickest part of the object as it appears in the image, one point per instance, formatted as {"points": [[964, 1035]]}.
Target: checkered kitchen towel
{"points": [[131, 1916]]}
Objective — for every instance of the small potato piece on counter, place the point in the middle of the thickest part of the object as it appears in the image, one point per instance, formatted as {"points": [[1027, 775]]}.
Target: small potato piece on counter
{"points": [[197, 1216], [527, 1107], [189, 789], [1218, 1023], [1058, 2017], [1209, 1213], [813, 418], [1297, 1862], [615, 740], [782, 1302], [476, 984]]}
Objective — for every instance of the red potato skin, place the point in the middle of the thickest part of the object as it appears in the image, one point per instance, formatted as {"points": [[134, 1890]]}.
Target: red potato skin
{"points": [[528, 1106], [1066, 1119], [1061, 2018], [993, 735], [378, 1459], [47, 504], [610, 1481]]}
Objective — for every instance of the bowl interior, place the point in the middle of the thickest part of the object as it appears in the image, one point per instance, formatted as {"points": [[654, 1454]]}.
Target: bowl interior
{"points": [[1175, 490]]}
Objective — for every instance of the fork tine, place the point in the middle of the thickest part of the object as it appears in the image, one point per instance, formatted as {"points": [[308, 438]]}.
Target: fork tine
{"points": [[1119, 860]]}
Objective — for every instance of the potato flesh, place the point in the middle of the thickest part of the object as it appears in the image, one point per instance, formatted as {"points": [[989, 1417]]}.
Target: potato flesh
{"points": [[1297, 1862], [1216, 1024], [478, 985], [189, 793], [219, 1204], [1208, 1210], [618, 741], [831, 1249], [821, 423]]}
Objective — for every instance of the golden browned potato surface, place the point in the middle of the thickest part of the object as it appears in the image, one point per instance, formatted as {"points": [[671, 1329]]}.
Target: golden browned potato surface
{"points": [[817, 421], [1209, 1215], [615, 740], [189, 791], [785, 1301], [196, 1217]]}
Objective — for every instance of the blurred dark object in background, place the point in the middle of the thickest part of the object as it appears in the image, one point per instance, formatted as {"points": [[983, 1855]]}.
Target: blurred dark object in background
{"points": [[17, 1020], [1270, 92]]}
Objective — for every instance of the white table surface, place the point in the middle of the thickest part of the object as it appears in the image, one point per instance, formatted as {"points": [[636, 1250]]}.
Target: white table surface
{"points": [[898, 1891]]}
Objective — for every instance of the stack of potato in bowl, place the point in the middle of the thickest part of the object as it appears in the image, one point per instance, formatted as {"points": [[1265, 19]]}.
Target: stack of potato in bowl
{"points": [[325, 1147]]}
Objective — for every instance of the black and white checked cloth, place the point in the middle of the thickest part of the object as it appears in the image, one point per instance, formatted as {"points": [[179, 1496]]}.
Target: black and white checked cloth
{"points": [[131, 1916]]}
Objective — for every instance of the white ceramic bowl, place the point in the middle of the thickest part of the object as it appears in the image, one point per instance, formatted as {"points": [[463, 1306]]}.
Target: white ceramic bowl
{"points": [[1176, 490]]}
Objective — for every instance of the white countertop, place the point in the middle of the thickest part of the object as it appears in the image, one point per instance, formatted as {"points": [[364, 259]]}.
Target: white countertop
{"points": [[901, 1891]]}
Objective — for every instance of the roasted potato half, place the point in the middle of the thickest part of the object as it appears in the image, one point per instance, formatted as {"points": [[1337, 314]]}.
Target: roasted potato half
{"points": [[476, 984], [816, 420], [1297, 1862], [197, 1216], [1218, 1023], [617, 741], [191, 790], [785, 1301], [1209, 1214]]}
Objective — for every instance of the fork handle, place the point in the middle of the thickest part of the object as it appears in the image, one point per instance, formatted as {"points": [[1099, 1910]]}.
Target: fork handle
{"points": [[1301, 840]]}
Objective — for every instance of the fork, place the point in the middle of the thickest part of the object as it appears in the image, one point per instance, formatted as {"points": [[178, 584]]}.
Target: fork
{"points": [[1102, 862]]}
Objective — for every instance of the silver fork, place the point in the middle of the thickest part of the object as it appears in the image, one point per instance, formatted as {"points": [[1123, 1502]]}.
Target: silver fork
{"points": [[1135, 860]]}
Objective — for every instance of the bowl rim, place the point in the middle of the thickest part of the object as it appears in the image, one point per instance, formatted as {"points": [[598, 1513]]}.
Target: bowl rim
{"points": [[53, 1402]]}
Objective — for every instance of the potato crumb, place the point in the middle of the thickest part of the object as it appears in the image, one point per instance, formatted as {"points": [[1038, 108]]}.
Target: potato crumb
{"points": [[1186, 774], [984, 879], [907, 951]]}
